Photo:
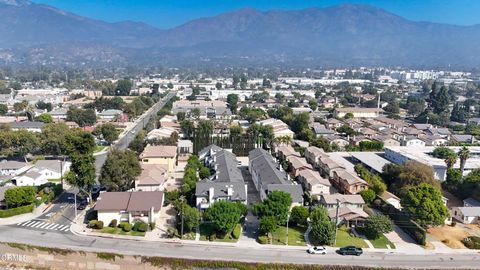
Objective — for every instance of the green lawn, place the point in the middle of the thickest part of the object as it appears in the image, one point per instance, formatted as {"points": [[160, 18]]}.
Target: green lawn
{"points": [[295, 236], [99, 148], [119, 231], [382, 242], [345, 239], [207, 229], [54, 180]]}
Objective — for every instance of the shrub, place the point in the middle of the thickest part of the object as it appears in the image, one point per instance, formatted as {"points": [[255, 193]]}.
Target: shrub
{"points": [[16, 211], [263, 239], [454, 223], [152, 226], [19, 196], [92, 223], [99, 225], [127, 227], [236, 232], [91, 215], [140, 226], [143, 227], [212, 237], [472, 242], [113, 223]]}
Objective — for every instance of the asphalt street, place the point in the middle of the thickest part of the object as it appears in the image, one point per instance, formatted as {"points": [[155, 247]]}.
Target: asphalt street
{"points": [[140, 123], [242, 254]]}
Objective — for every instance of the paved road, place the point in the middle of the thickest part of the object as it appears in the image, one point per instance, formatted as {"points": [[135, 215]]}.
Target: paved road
{"points": [[243, 254], [140, 123]]}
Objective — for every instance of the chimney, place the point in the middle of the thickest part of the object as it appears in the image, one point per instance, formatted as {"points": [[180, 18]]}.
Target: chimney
{"points": [[229, 191], [210, 194]]}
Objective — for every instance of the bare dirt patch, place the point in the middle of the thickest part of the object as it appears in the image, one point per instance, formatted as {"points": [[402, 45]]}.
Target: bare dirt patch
{"points": [[450, 236]]}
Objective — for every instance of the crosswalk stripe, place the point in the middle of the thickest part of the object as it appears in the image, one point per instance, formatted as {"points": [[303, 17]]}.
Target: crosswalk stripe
{"points": [[27, 223], [37, 225], [66, 229], [61, 228], [50, 226], [56, 225], [44, 226], [34, 224]]}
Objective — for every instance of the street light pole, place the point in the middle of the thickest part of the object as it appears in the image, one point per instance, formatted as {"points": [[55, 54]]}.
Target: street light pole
{"points": [[182, 198], [288, 219]]}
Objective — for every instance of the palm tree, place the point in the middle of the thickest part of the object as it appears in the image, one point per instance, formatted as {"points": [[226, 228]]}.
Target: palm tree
{"points": [[463, 155], [450, 160]]}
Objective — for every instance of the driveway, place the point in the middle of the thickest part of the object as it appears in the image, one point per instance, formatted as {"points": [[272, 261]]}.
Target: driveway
{"points": [[250, 228]]}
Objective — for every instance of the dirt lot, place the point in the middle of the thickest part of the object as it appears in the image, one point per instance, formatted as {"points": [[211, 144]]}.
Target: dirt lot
{"points": [[450, 236]]}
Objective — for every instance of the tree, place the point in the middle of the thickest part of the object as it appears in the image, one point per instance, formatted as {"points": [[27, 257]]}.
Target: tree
{"points": [[347, 130], [107, 131], [120, 170], [225, 215], [368, 195], [82, 117], [187, 128], [450, 161], [20, 106], [79, 146], [425, 205], [45, 118], [348, 115], [235, 131], [268, 225], [218, 85], [19, 196], [138, 143], [411, 173], [459, 113], [43, 106], [463, 155], [277, 205], [300, 122], [180, 116], [376, 225], [204, 172], [232, 101], [53, 138], [191, 216], [3, 109], [123, 87], [442, 152], [313, 104], [322, 229], [299, 215]]}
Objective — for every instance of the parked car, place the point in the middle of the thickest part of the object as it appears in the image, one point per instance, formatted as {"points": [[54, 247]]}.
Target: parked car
{"points": [[317, 250], [350, 250]]}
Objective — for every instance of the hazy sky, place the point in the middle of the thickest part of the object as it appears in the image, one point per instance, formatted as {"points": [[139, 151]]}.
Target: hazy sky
{"points": [[167, 14]]}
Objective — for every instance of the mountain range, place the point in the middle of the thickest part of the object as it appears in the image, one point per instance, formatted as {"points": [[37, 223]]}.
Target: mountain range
{"points": [[343, 35]]}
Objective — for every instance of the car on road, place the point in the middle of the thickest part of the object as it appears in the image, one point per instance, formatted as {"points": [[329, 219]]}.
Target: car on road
{"points": [[317, 250], [350, 250]]}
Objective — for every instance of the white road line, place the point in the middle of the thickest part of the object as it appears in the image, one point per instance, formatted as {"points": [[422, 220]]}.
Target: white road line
{"points": [[50, 226], [44, 226], [27, 223], [53, 228], [62, 227], [66, 229], [34, 223]]}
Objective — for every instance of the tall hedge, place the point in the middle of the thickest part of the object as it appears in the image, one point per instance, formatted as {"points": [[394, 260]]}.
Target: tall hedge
{"points": [[16, 211], [19, 196]]}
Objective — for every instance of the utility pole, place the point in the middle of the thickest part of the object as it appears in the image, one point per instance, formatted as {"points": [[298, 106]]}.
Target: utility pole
{"points": [[182, 198], [336, 223], [288, 219]]}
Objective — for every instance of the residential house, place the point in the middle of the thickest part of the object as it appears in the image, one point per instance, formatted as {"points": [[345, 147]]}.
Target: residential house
{"points": [[160, 133], [285, 151], [349, 209], [392, 199], [320, 130], [30, 126], [412, 142], [12, 167], [280, 129], [333, 123], [152, 178], [341, 142], [314, 183], [297, 164], [109, 115], [463, 138], [313, 155], [471, 202], [227, 181], [52, 169], [30, 178], [59, 114], [358, 112], [129, 206], [434, 140], [347, 182], [467, 215], [327, 166], [160, 154], [268, 176]]}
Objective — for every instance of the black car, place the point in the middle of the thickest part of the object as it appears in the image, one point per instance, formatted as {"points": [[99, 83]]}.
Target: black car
{"points": [[350, 250]]}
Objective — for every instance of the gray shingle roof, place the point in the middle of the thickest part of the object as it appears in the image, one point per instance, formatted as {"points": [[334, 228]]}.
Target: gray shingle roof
{"points": [[295, 191], [265, 166], [220, 189]]}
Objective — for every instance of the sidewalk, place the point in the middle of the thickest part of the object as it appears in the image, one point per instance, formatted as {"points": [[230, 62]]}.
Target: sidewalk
{"points": [[25, 217]]}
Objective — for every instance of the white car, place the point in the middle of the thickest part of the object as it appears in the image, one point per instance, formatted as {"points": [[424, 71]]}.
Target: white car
{"points": [[317, 250]]}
